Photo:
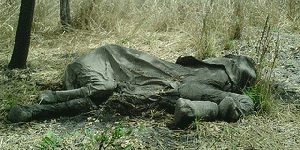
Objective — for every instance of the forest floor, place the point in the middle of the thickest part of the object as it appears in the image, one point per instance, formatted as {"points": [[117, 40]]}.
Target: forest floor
{"points": [[277, 129]]}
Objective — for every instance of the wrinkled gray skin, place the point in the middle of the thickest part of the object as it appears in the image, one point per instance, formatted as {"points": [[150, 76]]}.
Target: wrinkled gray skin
{"points": [[151, 80], [219, 86]]}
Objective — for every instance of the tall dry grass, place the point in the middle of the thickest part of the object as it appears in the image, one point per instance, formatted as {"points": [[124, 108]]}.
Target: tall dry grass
{"points": [[210, 24]]}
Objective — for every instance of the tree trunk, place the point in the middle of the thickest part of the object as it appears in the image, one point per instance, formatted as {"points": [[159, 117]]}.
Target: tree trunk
{"points": [[22, 39], [65, 14]]}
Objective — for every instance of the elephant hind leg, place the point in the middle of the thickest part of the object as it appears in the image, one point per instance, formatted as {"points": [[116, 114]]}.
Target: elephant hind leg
{"points": [[35, 112]]}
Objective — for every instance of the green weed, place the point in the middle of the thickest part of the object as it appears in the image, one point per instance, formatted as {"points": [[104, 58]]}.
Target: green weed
{"points": [[261, 93], [141, 130], [261, 96], [106, 139], [230, 44], [49, 142], [10, 101]]}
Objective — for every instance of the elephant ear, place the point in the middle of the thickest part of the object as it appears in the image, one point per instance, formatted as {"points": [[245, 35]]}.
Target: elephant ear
{"points": [[246, 68], [187, 61], [190, 61]]}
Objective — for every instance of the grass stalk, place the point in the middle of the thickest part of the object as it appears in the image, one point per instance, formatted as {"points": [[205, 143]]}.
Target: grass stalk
{"points": [[261, 92]]}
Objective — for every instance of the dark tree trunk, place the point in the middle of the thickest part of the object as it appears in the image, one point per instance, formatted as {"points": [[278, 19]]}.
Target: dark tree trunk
{"points": [[22, 39], [65, 14]]}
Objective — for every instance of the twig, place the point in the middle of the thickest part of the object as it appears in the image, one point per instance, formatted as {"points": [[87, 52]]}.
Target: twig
{"points": [[1, 142], [263, 34], [160, 143], [276, 51], [262, 46]]}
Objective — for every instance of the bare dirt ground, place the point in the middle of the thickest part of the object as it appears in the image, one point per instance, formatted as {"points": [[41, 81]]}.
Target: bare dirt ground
{"points": [[278, 129]]}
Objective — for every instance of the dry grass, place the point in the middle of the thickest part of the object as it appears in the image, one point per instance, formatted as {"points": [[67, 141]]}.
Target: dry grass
{"points": [[163, 28]]}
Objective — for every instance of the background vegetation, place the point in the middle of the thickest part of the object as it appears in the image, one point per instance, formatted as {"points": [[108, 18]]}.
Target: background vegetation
{"points": [[164, 28]]}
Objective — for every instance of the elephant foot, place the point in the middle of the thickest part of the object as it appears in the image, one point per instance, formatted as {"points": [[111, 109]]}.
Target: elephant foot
{"points": [[18, 114]]}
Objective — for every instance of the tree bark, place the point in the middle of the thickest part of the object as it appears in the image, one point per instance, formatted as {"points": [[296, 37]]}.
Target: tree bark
{"points": [[65, 16], [22, 39]]}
